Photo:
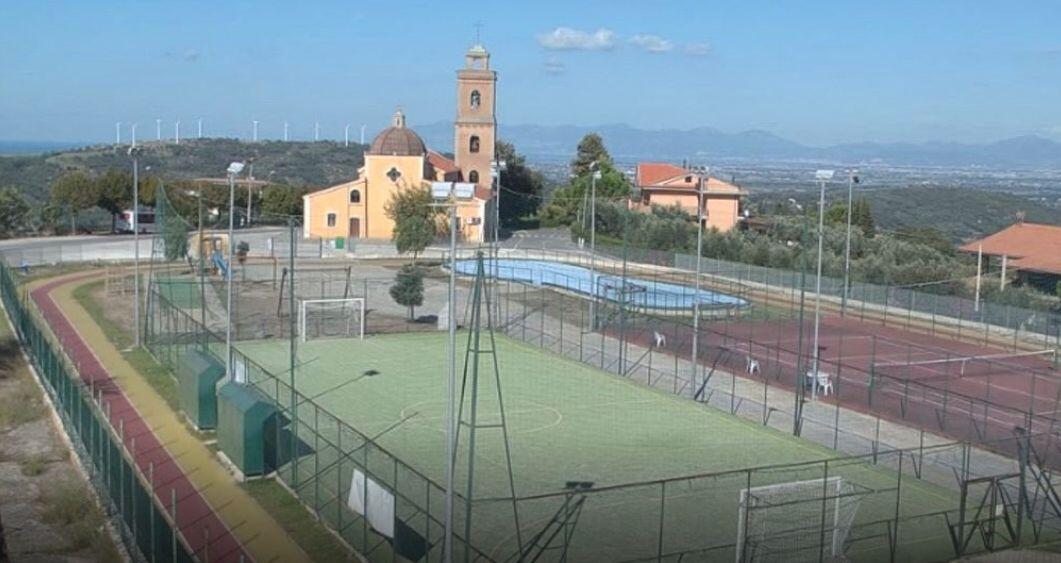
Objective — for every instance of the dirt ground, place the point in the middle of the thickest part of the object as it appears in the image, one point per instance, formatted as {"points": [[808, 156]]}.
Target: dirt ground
{"points": [[47, 511]]}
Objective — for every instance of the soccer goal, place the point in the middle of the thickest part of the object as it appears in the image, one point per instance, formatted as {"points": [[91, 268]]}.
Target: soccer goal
{"points": [[796, 521], [339, 317]]}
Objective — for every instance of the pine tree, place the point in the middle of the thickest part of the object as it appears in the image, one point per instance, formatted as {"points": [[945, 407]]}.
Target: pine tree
{"points": [[408, 288]]}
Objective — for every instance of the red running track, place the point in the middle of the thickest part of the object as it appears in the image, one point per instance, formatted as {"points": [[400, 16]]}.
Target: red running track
{"points": [[194, 514]]}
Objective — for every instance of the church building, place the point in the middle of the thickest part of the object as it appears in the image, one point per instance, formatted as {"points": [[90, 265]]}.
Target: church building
{"points": [[398, 160]]}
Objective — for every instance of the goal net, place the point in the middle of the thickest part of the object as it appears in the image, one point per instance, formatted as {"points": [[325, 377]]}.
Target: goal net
{"points": [[331, 318], [796, 521]]}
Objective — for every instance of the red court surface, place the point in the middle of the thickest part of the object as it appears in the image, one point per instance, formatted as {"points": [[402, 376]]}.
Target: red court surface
{"points": [[895, 373], [195, 518]]}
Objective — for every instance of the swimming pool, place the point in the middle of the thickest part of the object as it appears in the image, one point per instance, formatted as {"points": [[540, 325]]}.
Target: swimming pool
{"points": [[638, 292]]}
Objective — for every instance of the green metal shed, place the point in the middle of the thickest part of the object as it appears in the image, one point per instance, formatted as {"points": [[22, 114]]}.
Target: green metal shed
{"points": [[197, 377], [246, 420]]}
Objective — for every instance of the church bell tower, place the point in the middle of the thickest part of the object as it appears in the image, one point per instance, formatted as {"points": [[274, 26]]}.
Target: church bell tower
{"points": [[475, 130]]}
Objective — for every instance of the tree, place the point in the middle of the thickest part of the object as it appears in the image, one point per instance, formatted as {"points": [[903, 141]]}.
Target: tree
{"points": [[590, 149], [281, 200], [13, 210], [522, 186], [408, 288], [114, 192], [75, 191], [572, 202], [862, 216], [414, 219]]}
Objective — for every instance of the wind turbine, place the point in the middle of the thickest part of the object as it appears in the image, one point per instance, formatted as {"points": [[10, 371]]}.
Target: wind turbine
{"points": [[117, 132], [316, 131], [177, 132], [346, 135], [133, 127], [255, 130], [158, 129], [285, 131], [200, 128]]}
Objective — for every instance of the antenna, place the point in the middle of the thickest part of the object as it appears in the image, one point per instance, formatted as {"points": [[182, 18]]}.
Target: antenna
{"points": [[478, 31]]}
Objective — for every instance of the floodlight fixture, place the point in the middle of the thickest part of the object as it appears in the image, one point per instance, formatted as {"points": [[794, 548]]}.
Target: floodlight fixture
{"points": [[235, 168], [824, 175], [458, 190]]}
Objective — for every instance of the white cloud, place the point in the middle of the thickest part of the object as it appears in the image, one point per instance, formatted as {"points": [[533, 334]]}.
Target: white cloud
{"points": [[651, 43], [567, 39], [554, 67], [698, 49]]}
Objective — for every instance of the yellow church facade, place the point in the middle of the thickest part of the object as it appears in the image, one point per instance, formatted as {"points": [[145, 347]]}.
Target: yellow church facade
{"points": [[399, 160]]}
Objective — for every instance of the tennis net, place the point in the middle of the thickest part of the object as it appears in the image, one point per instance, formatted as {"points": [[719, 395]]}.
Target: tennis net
{"points": [[1038, 361]]}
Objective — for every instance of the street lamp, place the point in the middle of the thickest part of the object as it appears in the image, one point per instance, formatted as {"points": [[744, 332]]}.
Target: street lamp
{"points": [[134, 152], [595, 168], [822, 176], [233, 170], [703, 173], [446, 195], [852, 179]]}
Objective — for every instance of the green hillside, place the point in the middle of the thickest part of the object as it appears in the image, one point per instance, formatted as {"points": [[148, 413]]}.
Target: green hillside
{"points": [[959, 213], [302, 164]]}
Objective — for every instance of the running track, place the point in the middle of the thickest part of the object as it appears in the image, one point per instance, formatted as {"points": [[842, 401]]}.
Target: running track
{"points": [[194, 514]]}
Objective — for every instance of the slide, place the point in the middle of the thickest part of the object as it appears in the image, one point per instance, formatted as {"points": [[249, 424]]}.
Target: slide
{"points": [[221, 265]]}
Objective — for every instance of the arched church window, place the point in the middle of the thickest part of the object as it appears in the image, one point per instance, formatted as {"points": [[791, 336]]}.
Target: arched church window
{"points": [[473, 176], [355, 196], [473, 144], [476, 99]]}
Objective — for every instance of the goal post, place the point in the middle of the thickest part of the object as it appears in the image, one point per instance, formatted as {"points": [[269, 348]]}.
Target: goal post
{"points": [[339, 317], [797, 520]]}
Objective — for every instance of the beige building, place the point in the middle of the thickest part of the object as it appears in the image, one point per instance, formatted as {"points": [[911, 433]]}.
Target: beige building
{"points": [[669, 185], [398, 160]]}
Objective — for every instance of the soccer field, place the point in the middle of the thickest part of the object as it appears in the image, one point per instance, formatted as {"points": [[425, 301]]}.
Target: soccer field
{"points": [[571, 422]]}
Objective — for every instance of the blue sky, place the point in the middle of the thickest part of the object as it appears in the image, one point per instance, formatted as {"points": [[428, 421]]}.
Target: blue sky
{"points": [[816, 72]]}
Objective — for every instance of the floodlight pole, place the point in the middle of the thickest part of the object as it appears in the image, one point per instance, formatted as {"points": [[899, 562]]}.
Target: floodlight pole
{"points": [[232, 171], [818, 284], [704, 171], [852, 175], [595, 169], [135, 153], [800, 382]]}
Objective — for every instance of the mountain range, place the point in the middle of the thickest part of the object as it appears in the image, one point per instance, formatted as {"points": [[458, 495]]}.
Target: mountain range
{"points": [[627, 143]]}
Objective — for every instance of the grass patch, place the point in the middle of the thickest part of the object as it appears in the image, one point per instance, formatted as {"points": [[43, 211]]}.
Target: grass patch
{"points": [[34, 466], [69, 505], [307, 532], [157, 376], [21, 405]]}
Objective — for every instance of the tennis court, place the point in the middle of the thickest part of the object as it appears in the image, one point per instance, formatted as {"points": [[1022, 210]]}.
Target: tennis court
{"points": [[569, 422], [964, 390]]}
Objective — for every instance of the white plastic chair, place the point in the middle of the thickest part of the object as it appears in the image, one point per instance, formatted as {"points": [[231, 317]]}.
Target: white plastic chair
{"points": [[753, 366], [825, 383], [661, 340]]}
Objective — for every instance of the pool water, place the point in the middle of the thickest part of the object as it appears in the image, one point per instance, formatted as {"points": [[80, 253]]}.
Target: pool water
{"points": [[648, 294]]}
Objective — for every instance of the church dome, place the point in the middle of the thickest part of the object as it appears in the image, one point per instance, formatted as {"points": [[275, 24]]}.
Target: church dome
{"points": [[398, 140]]}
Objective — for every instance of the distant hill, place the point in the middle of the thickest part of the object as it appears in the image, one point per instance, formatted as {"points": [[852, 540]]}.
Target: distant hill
{"points": [[630, 143], [295, 163], [35, 147], [959, 213]]}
